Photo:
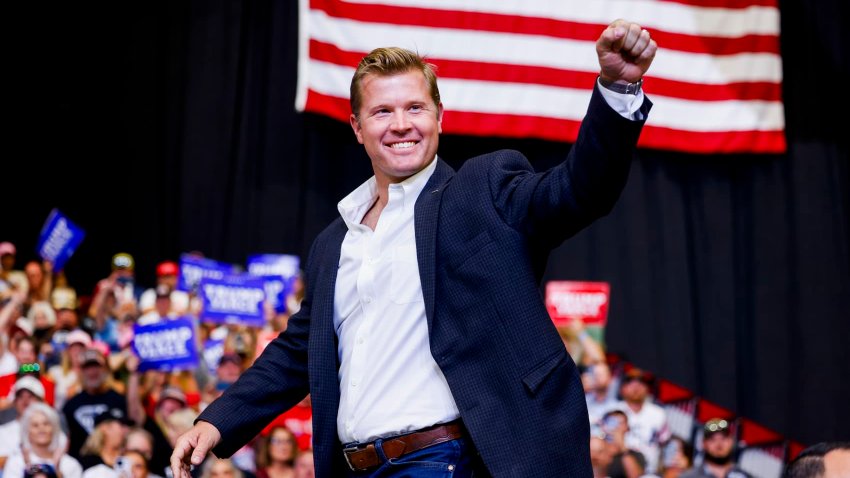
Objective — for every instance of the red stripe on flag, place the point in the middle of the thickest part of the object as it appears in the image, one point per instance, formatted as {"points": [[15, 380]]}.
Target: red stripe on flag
{"points": [[766, 142], [731, 4], [516, 126], [538, 75], [526, 25]]}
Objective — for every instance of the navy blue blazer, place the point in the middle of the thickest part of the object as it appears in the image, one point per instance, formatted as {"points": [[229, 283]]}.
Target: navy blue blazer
{"points": [[483, 236]]}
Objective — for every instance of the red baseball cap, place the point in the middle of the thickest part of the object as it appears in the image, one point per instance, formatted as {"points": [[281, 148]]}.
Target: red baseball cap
{"points": [[167, 268]]}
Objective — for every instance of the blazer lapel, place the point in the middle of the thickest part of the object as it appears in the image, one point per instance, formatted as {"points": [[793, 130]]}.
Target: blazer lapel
{"points": [[425, 224]]}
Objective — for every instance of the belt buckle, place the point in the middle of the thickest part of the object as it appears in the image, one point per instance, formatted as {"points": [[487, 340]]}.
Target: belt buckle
{"points": [[345, 452]]}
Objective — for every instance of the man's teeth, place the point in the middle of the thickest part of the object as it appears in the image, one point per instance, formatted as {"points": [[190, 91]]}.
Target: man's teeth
{"points": [[406, 144]]}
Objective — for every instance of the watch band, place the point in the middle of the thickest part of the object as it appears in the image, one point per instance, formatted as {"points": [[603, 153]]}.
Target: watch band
{"points": [[627, 89]]}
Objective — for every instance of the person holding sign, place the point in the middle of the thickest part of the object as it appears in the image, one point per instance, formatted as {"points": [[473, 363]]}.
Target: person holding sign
{"points": [[431, 352]]}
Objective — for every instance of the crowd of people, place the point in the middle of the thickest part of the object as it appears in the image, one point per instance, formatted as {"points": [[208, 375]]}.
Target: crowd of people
{"points": [[74, 402]]}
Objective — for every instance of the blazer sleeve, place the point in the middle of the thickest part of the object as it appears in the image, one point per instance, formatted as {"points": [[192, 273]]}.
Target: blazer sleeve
{"points": [[557, 203]]}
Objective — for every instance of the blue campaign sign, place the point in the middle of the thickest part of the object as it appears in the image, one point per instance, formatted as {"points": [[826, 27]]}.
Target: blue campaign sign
{"points": [[234, 299], [193, 269], [58, 240], [279, 272], [213, 350], [166, 346]]}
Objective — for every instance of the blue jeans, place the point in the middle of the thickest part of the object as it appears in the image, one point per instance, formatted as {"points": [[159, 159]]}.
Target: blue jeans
{"points": [[452, 459]]}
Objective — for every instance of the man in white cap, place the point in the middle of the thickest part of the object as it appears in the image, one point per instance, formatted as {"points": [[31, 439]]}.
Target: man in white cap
{"points": [[26, 390]]}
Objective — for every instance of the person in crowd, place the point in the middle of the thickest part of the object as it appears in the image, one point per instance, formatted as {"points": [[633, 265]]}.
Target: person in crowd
{"points": [[130, 464], [299, 420], [67, 374], [596, 379], [614, 426], [14, 279], [42, 317], [27, 390], [138, 465], [28, 363], [115, 301], [469, 383], [628, 464], [676, 457], [65, 303], [95, 398], [170, 400], [42, 442], [106, 442], [277, 454], [221, 468], [718, 445], [140, 440], [161, 309], [648, 427], [304, 466], [821, 460], [11, 310], [177, 301], [601, 455], [40, 279]]}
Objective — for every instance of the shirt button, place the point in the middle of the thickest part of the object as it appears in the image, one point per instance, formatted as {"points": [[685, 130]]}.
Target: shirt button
{"points": [[353, 383], [367, 299], [360, 340]]}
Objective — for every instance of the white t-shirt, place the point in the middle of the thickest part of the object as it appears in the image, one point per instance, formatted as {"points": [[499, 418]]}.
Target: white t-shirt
{"points": [[10, 437], [69, 467]]}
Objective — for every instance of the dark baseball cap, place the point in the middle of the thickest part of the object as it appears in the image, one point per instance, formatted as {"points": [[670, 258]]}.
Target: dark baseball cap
{"points": [[115, 414]]}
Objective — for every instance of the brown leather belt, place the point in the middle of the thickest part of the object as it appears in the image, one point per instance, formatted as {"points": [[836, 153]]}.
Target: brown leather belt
{"points": [[364, 457]]}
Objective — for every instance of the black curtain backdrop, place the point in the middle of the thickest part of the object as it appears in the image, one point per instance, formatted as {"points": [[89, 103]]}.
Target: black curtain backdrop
{"points": [[164, 127]]}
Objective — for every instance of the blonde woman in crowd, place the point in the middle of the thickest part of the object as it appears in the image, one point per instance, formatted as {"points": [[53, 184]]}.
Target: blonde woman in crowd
{"points": [[42, 317], [106, 441], [42, 442], [66, 375]]}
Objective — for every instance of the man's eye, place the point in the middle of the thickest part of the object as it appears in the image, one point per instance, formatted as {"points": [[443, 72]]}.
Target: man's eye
{"points": [[416, 108]]}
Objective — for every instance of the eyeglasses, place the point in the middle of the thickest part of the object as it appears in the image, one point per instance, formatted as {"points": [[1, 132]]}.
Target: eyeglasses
{"points": [[278, 441]]}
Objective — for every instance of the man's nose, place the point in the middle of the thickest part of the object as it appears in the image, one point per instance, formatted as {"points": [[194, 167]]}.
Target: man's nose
{"points": [[400, 121]]}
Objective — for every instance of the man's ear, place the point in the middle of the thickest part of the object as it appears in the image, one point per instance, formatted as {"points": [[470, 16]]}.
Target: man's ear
{"points": [[355, 125], [440, 117]]}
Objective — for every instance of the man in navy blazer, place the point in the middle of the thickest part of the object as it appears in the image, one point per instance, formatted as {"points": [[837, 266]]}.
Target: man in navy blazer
{"points": [[423, 338]]}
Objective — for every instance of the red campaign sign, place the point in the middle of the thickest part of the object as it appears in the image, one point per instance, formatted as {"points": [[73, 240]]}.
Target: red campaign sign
{"points": [[568, 300]]}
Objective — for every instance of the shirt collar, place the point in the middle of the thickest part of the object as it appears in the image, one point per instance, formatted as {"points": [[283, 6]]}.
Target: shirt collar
{"points": [[353, 207]]}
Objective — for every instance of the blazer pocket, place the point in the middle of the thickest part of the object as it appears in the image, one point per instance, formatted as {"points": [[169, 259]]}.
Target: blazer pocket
{"points": [[538, 374]]}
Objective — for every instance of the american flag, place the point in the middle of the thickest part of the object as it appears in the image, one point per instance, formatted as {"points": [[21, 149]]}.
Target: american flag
{"points": [[525, 68]]}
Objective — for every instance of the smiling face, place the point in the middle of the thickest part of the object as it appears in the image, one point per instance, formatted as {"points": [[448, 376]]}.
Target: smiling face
{"points": [[40, 430], [398, 124]]}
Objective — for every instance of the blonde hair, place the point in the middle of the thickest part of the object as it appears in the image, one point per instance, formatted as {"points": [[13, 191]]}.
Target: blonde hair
{"points": [[45, 308], [52, 416], [391, 61]]}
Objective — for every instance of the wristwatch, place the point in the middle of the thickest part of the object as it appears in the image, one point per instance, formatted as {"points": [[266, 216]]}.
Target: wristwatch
{"points": [[627, 89]]}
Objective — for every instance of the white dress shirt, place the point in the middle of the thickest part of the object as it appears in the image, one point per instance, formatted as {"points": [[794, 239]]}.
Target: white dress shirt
{"points": [[389, 382]]}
